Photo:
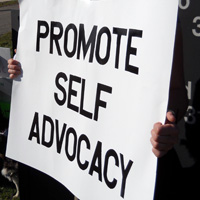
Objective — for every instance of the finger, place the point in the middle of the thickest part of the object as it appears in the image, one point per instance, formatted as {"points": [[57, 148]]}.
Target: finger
{"points": [[160, 150], [165, 139], [158, 153], [15, 72], [14, 67], [10, 61], [13, 62], [170, 118], [157, 126], [161, 146], [12, 76], [166, 130]]}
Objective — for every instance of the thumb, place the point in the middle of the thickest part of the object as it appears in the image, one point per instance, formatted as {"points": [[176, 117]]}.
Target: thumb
{"points": [[170, 118]]}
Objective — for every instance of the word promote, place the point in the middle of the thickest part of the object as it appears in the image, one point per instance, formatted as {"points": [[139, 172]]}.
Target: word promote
{"points": [[56, 32]]}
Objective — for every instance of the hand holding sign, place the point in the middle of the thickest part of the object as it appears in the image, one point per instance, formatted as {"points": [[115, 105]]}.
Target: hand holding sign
{"points": [[14, 68], [164, 136]]}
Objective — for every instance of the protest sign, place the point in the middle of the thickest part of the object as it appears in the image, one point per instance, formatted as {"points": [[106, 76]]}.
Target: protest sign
{"points": [[95, 79]]}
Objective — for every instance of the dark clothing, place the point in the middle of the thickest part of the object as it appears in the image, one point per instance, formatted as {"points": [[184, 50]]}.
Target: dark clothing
{"points": [[173, 182], [35, 185]]}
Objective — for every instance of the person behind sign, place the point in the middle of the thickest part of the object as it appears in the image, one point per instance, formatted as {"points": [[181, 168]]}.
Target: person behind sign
{"points": [[163, 136]]}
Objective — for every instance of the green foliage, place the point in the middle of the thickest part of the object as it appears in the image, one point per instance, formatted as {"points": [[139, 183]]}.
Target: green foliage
{"points": [[6, 41], [7, 3], [6, 193]]}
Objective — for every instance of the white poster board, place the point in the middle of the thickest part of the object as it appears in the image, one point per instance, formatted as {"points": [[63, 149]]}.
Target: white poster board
{"points": [[95, 79]]}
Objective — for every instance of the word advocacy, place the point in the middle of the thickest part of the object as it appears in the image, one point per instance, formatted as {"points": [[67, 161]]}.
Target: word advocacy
{"points": [[74, 145], [77, 36]]}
